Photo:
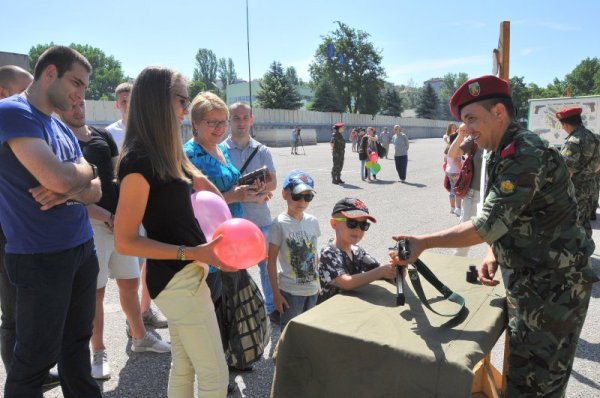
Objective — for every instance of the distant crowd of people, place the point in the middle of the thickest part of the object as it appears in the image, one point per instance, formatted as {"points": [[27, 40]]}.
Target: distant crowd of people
{"points": [[79, 205]]}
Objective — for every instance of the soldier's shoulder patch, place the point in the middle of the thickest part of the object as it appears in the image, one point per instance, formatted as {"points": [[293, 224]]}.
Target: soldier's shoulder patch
{"points": [[507, 184]]}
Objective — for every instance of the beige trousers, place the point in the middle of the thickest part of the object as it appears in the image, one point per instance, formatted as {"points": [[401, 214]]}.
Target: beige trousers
{"points": [[195, 339]]}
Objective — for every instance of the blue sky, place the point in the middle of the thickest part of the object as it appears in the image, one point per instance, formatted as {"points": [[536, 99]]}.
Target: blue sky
{"points": [[417, 39]]}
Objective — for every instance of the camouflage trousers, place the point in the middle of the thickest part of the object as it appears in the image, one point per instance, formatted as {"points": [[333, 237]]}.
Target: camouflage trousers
{"points": [[338, 164], [545, 320], [587, 196]]}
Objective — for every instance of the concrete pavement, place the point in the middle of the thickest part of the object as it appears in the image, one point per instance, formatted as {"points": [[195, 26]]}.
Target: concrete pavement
{"points": [[419, 206]]}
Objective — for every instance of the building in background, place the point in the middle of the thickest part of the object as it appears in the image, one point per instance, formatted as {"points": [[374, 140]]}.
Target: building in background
{"points": [[240, 92], [437, 83], [21, 60]]}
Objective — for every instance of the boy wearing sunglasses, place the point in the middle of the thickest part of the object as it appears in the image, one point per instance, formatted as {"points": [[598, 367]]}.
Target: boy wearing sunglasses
{"points": [[292, 262], [343, 265]]}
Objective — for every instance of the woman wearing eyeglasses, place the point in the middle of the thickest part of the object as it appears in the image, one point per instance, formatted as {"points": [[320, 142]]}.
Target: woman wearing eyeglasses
{"points": [[210, 119], [343, 265], [156, 180]]}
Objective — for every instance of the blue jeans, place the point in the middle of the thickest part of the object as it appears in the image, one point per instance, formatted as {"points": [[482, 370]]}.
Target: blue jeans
{"points": [[264, 275], [364, 171], [56, 301], [298, 305]]}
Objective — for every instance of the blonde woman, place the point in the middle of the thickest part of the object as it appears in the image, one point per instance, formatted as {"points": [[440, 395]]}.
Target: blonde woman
{"points": [[156, 180]]}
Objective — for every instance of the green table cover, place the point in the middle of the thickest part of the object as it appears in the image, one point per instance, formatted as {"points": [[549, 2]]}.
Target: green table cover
{"points": [[360, 344]]}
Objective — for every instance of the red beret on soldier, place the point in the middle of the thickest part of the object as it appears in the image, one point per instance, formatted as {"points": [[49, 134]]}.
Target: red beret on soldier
{"points": [[478, 89], [566, 113]]}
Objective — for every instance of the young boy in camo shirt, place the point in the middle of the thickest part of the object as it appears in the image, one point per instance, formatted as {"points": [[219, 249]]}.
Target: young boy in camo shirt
{"points": [[343, 265]]}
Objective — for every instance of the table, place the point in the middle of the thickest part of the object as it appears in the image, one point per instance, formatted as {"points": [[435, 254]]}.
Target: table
{"points": [[360, 344]]}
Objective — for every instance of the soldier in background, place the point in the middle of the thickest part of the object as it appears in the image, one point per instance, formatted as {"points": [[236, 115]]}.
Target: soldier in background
{"points": [[582, 157], [529, 219], [338, 146]]}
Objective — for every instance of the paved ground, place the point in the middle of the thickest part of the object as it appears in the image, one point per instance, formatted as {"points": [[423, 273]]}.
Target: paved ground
{"points": [[419, 206]]}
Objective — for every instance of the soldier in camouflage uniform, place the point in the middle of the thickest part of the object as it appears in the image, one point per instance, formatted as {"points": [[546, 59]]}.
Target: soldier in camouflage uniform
{"points": [[581, 155], [529, 220], [338, 146]]}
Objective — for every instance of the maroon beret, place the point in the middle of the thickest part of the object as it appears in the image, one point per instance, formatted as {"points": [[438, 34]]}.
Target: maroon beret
{"points": [[568, 112], [340, 124], [478, 89]]}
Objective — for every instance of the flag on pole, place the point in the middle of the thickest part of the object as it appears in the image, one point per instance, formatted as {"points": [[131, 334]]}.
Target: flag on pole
{"points": [[330, 53]]}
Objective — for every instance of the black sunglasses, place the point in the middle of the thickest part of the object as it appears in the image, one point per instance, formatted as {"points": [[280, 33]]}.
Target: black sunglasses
{"points": [[306, 196], [351, 223]]}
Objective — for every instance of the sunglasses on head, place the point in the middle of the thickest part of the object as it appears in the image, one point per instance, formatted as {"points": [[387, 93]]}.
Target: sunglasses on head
{"points": [[350, 223], [306, 196]]}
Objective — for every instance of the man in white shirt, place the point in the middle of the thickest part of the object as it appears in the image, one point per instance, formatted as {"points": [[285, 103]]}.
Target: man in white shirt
{"points": [[117, 129]]}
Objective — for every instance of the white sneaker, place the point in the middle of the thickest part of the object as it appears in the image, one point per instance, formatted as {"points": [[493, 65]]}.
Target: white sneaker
{"points": [[153, 319], [150, 343], [100, 366], [452, 210], [458, 211]]}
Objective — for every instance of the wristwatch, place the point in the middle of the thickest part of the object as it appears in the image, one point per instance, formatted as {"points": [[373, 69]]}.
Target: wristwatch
{"points": [[181, 253], [94, 171]]}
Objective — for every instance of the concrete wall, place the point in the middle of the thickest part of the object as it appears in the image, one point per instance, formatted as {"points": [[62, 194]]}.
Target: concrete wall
{"points": [[274, 127]]}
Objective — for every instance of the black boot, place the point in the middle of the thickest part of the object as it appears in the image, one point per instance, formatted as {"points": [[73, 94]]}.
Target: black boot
{"points": [[339, 179]]}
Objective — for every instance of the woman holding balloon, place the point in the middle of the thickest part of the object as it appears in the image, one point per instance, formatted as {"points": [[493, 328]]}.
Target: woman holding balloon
{"points": [[366, 143], [156, 180], [210, 118]]}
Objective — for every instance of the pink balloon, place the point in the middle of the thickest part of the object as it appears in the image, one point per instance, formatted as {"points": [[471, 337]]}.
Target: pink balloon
{"points": [[210, 210], [242, 245], [373, 157]]}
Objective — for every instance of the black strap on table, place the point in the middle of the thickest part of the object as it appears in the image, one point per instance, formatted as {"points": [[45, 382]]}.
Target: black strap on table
{"points": [[413, 274]]}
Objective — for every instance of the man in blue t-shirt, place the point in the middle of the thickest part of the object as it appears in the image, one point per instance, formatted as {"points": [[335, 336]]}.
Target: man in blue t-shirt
{"points": [[50, 258]]}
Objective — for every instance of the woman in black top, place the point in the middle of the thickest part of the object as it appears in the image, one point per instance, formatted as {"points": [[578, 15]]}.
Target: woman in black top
{"points": [[156, 182]]}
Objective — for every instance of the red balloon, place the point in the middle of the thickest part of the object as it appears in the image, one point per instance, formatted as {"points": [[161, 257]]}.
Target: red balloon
{"points": [[242, 245], [373, 157]]}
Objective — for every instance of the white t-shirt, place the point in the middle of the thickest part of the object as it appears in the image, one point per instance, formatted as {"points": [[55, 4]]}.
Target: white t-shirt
{"points": [[298, 253], [117, 129]]}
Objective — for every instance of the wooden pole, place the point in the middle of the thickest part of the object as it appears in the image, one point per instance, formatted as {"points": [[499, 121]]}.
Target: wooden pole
{"points": [[504, 47]]}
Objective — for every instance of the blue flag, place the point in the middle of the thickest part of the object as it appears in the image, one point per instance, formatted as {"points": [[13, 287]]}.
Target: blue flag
{"points": [[330, 53], [341, 59]]}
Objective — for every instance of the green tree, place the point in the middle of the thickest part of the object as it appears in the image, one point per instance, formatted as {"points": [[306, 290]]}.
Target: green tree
{"points": [[410, 94], [106, 74], [535, 91], [226, 71], [583, 79], [427, 108], [206, 68], [452, 81], [520, 96], [355, 71], [196, 87], [326, 99], [392, 102], [276, 91], [558, 88], [292, 76]]}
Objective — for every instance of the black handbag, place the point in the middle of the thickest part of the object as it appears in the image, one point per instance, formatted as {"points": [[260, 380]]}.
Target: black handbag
{"points": [[243, 321]]}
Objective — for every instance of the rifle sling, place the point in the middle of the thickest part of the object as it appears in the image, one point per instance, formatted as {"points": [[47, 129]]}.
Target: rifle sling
{"points": [[448, 294]]}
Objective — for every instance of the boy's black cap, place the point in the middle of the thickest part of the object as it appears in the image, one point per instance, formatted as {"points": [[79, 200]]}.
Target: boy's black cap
{"points": [[352, 208]]}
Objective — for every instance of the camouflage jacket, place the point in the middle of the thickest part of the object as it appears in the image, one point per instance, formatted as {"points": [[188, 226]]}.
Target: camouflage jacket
{"points": [[530, 214], [339, 142], [581, 153]]}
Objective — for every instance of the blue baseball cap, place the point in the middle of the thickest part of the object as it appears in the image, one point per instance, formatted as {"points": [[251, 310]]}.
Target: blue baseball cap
{"points": [[298, 181]]}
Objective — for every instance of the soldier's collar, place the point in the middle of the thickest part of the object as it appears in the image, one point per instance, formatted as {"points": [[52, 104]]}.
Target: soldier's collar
{"points": [[508, 136]]}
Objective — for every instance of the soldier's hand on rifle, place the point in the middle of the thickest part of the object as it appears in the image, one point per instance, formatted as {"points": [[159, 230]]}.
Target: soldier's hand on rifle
{"points": [[417, 246]]}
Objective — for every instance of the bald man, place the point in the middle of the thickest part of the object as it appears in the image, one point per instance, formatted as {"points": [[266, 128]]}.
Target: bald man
{"points": [[13, 80]]}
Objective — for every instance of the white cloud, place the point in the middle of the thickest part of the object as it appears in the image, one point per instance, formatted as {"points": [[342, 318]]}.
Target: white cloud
{"points": [[526, 51]]}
